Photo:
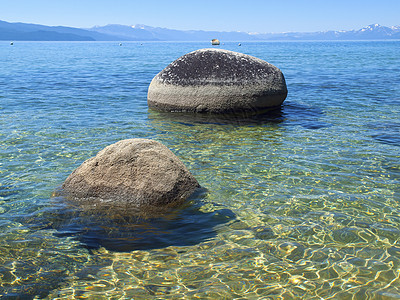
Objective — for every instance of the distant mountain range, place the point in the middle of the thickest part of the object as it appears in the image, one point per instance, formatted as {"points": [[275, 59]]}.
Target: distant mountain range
{"points": [[34, 32]]}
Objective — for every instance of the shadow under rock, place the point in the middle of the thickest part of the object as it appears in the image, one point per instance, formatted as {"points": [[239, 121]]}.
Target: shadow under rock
{"points": [[124, 230], [289, 113], [237, 119]]}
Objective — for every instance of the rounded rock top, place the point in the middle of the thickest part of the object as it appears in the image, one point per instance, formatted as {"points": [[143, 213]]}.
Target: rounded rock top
{"points": [[217, 81], [133, 172]]}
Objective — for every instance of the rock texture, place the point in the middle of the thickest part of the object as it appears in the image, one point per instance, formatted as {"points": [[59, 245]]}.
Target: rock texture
{"points": [[134, 172], [217, 81]]}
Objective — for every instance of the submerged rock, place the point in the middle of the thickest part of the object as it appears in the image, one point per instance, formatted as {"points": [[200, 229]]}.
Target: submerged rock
{"points": [[217, 81], [131, 173]]}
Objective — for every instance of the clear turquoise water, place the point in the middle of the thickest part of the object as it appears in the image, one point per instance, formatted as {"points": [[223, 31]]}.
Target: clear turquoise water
{"points": [[301, 203]]}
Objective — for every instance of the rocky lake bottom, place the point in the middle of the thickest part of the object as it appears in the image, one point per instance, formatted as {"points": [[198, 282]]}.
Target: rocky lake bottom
{"points": [[301, 202]]}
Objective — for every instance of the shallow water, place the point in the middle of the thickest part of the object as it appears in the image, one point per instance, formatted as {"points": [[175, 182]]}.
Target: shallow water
{"points": [[301, 203]]}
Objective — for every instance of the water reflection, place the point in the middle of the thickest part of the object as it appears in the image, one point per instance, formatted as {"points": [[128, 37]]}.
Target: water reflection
{"points": [[291, 113], [123, 230], [237, 119]]}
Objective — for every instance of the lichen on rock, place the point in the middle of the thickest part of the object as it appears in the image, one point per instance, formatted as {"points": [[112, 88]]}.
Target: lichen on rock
{"points": [[132, 172], [217, 81]]}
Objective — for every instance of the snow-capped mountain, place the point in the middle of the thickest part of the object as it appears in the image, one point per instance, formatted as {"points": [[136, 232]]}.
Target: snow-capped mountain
{"points": [[140, 32], [370, 32], [374, 32], [144, 32], [377, 31]]}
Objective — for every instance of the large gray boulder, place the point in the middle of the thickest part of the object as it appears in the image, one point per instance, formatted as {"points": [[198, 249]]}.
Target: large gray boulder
{"points": [[131, 172], [217, 81]]}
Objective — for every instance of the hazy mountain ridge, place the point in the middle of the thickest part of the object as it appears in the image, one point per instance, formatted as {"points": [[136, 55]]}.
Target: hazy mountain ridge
{"points": [[370, 32], [144, 32], [136, 32], [114, 32], [35, 32]]}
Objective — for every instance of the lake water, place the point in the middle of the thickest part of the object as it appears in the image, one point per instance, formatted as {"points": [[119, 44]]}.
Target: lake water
{"points": [[303, 202]]}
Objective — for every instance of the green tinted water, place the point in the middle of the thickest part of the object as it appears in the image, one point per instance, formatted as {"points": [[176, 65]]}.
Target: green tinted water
{"points": [[301, 203]]}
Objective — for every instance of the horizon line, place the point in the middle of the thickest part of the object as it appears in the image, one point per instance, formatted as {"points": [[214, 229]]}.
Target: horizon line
{"points": [[238, 31]]}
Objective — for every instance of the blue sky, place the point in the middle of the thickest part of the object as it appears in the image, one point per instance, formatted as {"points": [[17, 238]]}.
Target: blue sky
{"points": [[224, 15]]}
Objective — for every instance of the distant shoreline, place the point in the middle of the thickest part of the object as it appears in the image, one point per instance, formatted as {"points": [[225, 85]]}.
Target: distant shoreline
{"points": [[208, 44], [143, 33]]}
